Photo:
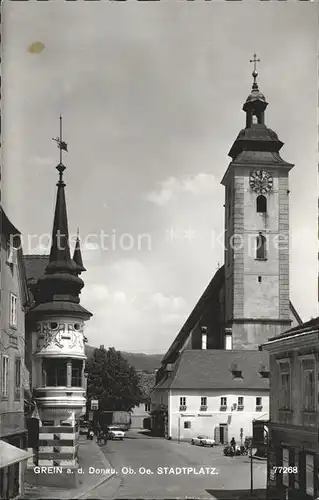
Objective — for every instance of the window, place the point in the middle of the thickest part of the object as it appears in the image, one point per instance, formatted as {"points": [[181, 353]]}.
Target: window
{"points": [[187, 424], [261, 247], [240, 401], [17, 377], [55, 372], [285, 386], [259, 404], [223, 401], [4, 376], [261, 204], [13, 310], [76, 373], [309, 386], [203, 401], [147, 407], [182, 401], [11, 255]]}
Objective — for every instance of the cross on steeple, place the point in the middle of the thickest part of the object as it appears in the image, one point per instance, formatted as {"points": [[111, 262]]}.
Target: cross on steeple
{"points": [[254, 61], [254, 73]]}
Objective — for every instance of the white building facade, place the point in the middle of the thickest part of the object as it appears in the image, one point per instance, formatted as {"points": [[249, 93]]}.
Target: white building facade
{"points": [[214, 393]]}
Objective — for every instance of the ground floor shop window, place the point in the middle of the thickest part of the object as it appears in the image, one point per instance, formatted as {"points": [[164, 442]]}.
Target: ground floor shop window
{"points": [[296, 483], [285, 465], [10, 481], [309, 474]]}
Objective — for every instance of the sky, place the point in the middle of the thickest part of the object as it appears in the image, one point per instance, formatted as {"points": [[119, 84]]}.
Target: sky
{"points": [[151, 97]]}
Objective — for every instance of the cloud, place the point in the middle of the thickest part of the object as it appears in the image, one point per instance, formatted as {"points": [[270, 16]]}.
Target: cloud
{"points": [[163, 302], [172, 187], [131, 302]]}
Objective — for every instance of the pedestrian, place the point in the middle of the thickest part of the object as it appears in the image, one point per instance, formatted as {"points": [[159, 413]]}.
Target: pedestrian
{"points": [[233, 444]]}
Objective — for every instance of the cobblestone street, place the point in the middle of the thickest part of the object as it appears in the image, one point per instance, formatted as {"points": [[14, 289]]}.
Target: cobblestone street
{"points": [[142, 470]]}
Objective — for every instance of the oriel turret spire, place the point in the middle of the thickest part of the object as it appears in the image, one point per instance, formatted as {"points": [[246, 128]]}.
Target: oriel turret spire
{"points": [[77, 256], [60, 258]]}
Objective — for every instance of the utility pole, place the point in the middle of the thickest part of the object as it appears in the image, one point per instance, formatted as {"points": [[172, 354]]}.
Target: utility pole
{"points": [[251, 469]]}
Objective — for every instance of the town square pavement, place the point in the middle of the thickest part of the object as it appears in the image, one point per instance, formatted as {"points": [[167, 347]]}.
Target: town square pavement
{"points": [[138, 465]]}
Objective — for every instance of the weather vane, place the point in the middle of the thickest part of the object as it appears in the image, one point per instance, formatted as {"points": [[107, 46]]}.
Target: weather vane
{"points": [[255, 74], [61, 144], [63, 147]]}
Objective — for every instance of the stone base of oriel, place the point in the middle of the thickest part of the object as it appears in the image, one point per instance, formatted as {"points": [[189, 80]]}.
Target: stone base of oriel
{"points": [[55, 460]]}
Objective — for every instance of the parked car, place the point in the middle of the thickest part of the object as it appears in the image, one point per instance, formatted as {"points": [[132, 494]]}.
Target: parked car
{"points": [[84, 427], [203, 441], [115, 433]]}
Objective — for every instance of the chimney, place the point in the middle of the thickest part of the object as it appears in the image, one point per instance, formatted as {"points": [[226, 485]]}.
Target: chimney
{"points": [[102, 346], [204, 337], [228, 339]]}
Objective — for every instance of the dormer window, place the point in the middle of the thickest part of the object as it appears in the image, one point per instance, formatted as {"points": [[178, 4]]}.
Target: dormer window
{"points": [[237, 373], [261, 204], [264, 372]]}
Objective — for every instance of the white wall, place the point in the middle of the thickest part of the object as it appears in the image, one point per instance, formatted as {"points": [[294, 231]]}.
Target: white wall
{"points": [[205, 422]]}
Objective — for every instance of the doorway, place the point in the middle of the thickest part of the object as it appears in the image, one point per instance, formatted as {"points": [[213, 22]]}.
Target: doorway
{"points": [[223, 433]]}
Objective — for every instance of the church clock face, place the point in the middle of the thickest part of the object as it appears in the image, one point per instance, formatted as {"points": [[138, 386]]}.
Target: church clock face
{"points": [[261, 181]]}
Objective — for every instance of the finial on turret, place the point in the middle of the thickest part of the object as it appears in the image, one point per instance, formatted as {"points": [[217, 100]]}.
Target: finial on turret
{"points": [[63, 147], [254, 73]]}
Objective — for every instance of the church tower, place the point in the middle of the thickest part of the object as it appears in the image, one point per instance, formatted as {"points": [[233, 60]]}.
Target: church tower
{"points": [[256, 230], [56, 321]]}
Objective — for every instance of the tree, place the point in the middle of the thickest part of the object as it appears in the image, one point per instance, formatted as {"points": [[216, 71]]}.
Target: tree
{"points": [[112, 381]]}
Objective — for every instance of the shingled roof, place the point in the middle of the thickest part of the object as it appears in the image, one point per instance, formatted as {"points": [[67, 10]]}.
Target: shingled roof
{"points": [[212, 369]]}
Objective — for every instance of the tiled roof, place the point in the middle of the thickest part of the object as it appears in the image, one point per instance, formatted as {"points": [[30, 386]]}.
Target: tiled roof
{"points": [[212, 369], [309, 326], [6, 225], [211, 291], [35, 265]]}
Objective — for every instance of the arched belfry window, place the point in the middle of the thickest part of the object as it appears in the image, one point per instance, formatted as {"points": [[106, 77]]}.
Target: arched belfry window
{"points": [[254, 120], [261, 250], [261, 204]]}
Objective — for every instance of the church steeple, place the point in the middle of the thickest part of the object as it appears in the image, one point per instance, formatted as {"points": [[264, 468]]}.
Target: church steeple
{"points": [[256, 138], [255, 104], [77, 256]]}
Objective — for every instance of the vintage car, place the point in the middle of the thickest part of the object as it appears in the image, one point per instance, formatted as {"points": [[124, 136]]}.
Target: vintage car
{"points": [[115, 433], [203, 441]]}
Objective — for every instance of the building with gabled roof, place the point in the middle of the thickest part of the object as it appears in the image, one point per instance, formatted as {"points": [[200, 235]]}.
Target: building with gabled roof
{"points": [[14, 377], [215, 393]]}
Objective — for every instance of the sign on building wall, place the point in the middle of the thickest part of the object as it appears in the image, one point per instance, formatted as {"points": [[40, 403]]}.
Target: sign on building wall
{"points": [[94, 404]]}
